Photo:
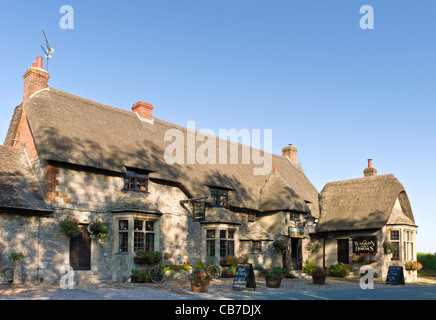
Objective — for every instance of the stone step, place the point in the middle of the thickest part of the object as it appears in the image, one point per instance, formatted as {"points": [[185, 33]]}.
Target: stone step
{"points": [[300, 274], [86, 277]]}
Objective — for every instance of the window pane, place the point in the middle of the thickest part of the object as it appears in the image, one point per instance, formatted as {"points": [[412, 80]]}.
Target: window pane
{"points": [[123, 225], [223, 234], [149, 226], [256, 246], [231, 248], [138, 225], [138, 241], [210, 246], [210, 233], [230, 234], [223, 248], [395, 235], [124, 240], [395, 254], [149, 241]]}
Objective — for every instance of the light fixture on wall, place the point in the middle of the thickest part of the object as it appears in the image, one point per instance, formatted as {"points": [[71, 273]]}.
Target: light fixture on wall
{"points": [[310, 220]]}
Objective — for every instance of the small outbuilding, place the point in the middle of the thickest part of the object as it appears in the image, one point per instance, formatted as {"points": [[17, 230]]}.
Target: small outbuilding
{"points": [[360, 217]]}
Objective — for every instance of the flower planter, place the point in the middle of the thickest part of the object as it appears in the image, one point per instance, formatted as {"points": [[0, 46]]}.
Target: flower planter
{"points": [[318, 280], [140, 260], [134, 279], [18, 277], [200, 286], [273, 282]]}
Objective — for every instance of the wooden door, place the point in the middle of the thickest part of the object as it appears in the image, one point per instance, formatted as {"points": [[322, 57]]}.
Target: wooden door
{"points": [[80, 250], [294, 254], [343, 251]]}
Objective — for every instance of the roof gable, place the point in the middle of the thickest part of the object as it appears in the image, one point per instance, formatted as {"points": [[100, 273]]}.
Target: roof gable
{"points": [[19, 187]]}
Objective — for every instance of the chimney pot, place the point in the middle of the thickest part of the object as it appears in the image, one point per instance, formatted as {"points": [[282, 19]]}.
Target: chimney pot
{"points": [[39, 62], [370, 171]]}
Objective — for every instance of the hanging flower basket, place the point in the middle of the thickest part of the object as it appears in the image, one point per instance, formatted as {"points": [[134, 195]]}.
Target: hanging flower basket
{"points": [[388, 247], [99, 230], [71, 227]]}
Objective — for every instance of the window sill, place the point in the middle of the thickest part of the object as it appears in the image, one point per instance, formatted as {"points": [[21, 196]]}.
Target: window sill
{"points": [[136, 191]]}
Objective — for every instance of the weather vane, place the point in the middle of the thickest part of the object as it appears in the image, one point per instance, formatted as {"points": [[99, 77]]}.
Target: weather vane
{"points": [[48, 50]]}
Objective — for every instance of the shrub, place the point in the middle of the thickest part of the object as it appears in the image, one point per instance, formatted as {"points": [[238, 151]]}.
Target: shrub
{"points": [[142, 275], [287, 274], [339, 270], [309, 267]]}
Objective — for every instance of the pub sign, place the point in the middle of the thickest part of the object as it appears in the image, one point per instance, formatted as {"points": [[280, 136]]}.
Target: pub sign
{"points": [[199, 211], [365, 245]]}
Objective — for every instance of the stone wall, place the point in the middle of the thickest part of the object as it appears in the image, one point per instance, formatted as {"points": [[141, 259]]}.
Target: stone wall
{"points": [[87, 195]]}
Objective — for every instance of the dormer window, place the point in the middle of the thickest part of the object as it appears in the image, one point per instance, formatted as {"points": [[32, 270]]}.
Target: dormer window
{"points": [[220, 197], [135, 180]]}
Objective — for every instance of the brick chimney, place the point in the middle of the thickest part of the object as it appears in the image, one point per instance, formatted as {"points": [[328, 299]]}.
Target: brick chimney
{"points": [[144, 111], [370, 171], [35, 79], [290, 152]]}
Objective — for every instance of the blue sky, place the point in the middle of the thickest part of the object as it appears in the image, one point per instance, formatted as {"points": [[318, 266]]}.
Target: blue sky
{"points": [[304, 69]]}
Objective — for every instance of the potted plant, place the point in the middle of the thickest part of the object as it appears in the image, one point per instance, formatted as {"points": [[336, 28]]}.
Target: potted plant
{"points": [[71, 227], [134, 276], [199, 281], [258, 270], [319, 275], [273, 278], [99, 230], [17, 258]]}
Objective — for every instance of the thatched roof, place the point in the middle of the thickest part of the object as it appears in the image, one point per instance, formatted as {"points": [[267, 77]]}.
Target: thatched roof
{"points": [[19, 187], [71, 129], [364, 203]]}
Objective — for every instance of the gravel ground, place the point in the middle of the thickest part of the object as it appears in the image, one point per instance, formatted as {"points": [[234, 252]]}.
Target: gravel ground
{"points": [[219, 289], [169, 290]]}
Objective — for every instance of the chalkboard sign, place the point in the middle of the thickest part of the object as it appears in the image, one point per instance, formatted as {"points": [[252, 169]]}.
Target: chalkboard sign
{"points": [[244, 277], [395, 275]]}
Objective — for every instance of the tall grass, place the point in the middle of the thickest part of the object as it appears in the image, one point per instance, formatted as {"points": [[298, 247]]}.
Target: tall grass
{"points": [[428, 261]]}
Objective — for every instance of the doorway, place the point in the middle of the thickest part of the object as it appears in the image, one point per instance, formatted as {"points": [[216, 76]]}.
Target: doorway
{"points": [[343, 251], [80, 250], [294, 254]]}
